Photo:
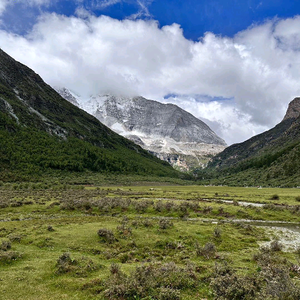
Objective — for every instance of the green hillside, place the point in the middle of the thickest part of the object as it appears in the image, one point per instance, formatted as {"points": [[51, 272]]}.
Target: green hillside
{"points": [[271, 158], [40, 132]]}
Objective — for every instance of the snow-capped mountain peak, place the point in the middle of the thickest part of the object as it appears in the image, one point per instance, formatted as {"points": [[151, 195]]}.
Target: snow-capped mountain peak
{"points": [[166, 130]]}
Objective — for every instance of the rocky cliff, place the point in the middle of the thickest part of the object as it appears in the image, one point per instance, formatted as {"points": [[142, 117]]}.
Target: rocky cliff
{"points": [[293, 110]]}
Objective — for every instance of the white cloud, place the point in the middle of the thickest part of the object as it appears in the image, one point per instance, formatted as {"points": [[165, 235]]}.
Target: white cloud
{"points": [[5, 3], [104, 3], [258, 68], [142, 5]]}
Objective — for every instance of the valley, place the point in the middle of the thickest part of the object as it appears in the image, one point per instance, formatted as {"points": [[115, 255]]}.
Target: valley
{"points": [[147, 242]]}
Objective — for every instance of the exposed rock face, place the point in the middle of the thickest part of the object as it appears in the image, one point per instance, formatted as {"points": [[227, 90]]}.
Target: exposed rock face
{"points": [[166, 130], [293, 110], [65, 93]]}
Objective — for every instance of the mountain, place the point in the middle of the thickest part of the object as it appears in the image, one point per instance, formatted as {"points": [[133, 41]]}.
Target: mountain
{"points": [[270, 158], [42, 132], [166, 130]]}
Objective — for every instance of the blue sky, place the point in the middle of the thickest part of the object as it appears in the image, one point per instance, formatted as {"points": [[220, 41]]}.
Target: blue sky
{"points": [[234, 64], [224, 17]]}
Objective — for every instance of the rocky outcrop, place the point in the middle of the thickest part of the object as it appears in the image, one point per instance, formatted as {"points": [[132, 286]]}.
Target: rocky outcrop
{"points": [[293, 110]]}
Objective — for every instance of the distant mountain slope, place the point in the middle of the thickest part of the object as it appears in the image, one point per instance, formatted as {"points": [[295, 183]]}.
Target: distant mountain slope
{"points": [[40, 131], [272, 157], [166, 130]]}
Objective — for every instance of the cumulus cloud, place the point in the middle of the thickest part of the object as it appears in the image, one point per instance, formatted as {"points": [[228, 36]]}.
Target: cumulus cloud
{"points": [[258, 68]]}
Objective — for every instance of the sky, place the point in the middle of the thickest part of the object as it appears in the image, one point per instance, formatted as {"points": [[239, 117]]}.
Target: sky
{"points": [[235, 64]]}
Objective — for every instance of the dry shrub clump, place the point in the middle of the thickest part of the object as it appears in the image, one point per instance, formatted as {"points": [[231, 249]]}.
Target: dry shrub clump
{"points": [[139, 222], [141, 206], [81, 267], [272, 280], [165, 224], [106, 204], [106, 235], [7, 256], [5, 246], [153, 281], [208, 250]]}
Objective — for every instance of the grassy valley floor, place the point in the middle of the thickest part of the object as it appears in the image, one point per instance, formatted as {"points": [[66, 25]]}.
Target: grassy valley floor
{"points": [[147, 242]]}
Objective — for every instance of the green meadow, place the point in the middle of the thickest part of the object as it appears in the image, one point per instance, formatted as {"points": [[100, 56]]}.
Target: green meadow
{"points": [[147, 242]]}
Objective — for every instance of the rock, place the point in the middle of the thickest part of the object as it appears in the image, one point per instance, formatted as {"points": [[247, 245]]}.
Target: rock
{"points": [[293, 110]]}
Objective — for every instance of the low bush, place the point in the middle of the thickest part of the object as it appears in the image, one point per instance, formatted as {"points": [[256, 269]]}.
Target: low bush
{"points": [[9, 256], [165, 224], [207, 209], [208, 250], [217, 233], [106, 235], [141, 206], [5, 246], [228, 285], [153, 281], [274, 197], [80, 267]]}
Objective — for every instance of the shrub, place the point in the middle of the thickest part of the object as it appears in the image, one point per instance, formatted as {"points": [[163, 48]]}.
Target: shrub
{"points": [[115, 269], [141, 206], [207, 209], [159, 206], [208, 251], [226, 284], [217, 232], [167, 293], [297, 198], [79, 267], [165, 224], [106, 235], [50, 228], [65, 264], [153, 281], [275, 246], [5, 245], [9, 256], [147, 223], [169, 206], [274, 197], [124, 230]]}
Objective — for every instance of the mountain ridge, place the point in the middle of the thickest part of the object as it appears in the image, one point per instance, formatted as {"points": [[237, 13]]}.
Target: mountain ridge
{"points": [[272, 157], [165, 130]]}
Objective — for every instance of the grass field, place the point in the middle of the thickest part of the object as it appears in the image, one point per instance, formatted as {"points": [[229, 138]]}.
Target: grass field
{"points": [[145, 242]]}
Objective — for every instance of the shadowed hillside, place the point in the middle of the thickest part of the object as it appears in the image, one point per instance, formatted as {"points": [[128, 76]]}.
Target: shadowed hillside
{"points": [[270, 158], [41, 132]]}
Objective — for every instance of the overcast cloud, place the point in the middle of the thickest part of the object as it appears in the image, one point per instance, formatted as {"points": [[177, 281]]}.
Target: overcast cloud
{"points": [[241, 86]]}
